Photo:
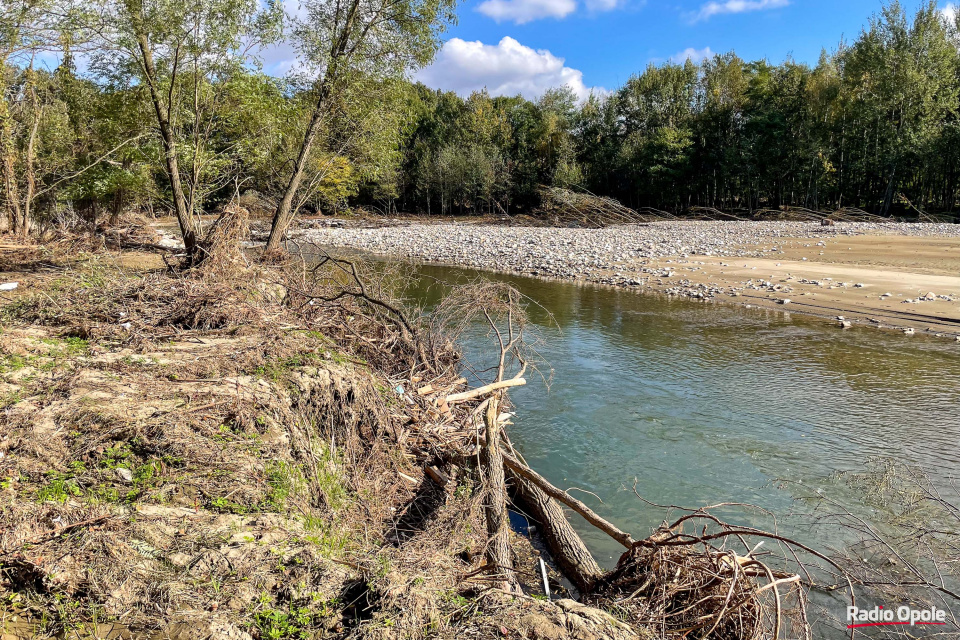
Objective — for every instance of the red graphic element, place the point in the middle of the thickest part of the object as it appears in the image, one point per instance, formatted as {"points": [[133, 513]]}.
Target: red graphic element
{"points": [[885, 624]]}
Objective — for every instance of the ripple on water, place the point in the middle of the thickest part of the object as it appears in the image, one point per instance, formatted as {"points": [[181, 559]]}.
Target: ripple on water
{"points": [[703, 403]]}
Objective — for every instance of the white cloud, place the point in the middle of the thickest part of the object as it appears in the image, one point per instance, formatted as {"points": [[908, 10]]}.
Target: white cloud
{"points": [[714, 8], [950, 13], [504, 69], [278, 59], [694, 55], [521, 11], [602, 5]]}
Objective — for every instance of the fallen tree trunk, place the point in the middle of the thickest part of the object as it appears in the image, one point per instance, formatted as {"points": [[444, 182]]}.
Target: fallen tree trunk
{"points": [[484, 390], [568, 550], [588, 514], [499, 552]]}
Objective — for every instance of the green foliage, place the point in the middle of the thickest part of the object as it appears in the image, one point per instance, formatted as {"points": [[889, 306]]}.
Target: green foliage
{"points": [[59, 488], [874, 124], [292, 621], [330, 480], [284, 480], [872, 121]]}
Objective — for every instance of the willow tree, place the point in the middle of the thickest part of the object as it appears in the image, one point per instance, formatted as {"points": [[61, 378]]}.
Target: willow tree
{"points": [[346, 42], [180, 53]]}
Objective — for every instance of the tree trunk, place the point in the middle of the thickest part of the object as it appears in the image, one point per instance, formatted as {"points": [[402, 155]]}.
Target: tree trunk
{"points": [[888, 194], [338, 55], [30, 171], [189, 228], [588, 514], [568, 550], [499, 554], [285, 211], [11, 192], [8, 161]]}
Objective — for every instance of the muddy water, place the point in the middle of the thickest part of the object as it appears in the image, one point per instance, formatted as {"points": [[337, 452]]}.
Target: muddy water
{"points": [[701, 403]]}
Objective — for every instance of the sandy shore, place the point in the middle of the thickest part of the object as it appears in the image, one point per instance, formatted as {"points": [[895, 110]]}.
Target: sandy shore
{"points": [[895, 276]]}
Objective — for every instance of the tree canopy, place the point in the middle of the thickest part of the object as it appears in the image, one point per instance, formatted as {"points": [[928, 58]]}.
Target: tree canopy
{"points": [[162, 106]]}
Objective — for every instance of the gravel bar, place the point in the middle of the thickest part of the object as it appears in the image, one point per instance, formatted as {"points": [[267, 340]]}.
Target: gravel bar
{"points": [[613, 256]]}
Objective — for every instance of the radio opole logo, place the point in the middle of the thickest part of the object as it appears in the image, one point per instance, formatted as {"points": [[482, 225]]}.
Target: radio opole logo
{"points": [[903, 615]]}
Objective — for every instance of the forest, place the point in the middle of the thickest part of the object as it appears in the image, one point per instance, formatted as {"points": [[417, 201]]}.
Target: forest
{"points": [[164, 107]]}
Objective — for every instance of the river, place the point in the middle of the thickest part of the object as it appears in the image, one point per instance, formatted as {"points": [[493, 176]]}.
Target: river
{"points": [[701, 403]]}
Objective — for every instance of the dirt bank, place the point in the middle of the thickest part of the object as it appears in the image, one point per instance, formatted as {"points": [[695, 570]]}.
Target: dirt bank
{"points": [[190, 456]]}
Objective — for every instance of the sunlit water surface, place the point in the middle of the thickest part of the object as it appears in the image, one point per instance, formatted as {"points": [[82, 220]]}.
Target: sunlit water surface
{"points": [[701, 403]]}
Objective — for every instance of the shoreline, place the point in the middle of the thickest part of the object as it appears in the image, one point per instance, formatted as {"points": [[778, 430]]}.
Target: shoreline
{"points": [[199, 428], [841, 273]]}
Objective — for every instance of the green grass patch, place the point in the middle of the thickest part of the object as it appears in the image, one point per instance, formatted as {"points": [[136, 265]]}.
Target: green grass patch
{"points": [[59, 488], [293, 621]]}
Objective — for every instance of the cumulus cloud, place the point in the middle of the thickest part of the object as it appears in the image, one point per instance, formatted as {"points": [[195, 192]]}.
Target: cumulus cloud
{"points": [[714, 8], [521, 11], [504, 69], [694, 55], [950, 13]]}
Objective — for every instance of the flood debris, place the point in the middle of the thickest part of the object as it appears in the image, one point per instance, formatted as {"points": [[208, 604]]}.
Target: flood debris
{"points": [[265, 451], [290, 450]]}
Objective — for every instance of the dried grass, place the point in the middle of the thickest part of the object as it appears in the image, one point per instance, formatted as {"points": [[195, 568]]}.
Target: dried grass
{"points": [[244, 447], [214, 448]]}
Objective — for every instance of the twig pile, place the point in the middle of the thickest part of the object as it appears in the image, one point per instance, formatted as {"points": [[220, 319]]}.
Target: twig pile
{"points": [[802, 214], [702, 590], [583, 209], [222, 250]]}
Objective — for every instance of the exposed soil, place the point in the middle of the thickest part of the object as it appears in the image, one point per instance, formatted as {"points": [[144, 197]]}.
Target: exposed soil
{"points": [[190, 457]]}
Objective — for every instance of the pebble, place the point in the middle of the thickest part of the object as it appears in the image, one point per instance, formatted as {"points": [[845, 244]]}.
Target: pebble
{"points": [[618, 255]]}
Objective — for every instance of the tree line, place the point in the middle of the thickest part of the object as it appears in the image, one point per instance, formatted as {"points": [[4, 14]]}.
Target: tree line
{"points": [[163, 105], [873, 125]]}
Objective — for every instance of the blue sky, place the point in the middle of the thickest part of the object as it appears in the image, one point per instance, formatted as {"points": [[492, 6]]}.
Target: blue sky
{"points": [[525, 47], [600, 43]]}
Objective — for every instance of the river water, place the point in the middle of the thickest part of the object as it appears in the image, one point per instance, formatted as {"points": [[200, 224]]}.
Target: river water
{"points": [[702, 403]]}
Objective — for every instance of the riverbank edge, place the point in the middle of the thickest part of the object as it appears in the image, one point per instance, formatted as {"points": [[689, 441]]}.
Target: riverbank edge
{"points": [[648, 283], [70, 379]]}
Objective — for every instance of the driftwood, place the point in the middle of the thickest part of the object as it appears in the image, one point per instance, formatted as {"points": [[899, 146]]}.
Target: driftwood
{"points": [[568, 550], [498, 523], [439, 477], [588, 514], [571, 555], [517, 381]]}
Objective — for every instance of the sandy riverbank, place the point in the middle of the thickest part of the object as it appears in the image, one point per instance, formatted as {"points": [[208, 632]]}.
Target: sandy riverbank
{"points": [[899, 276]]}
